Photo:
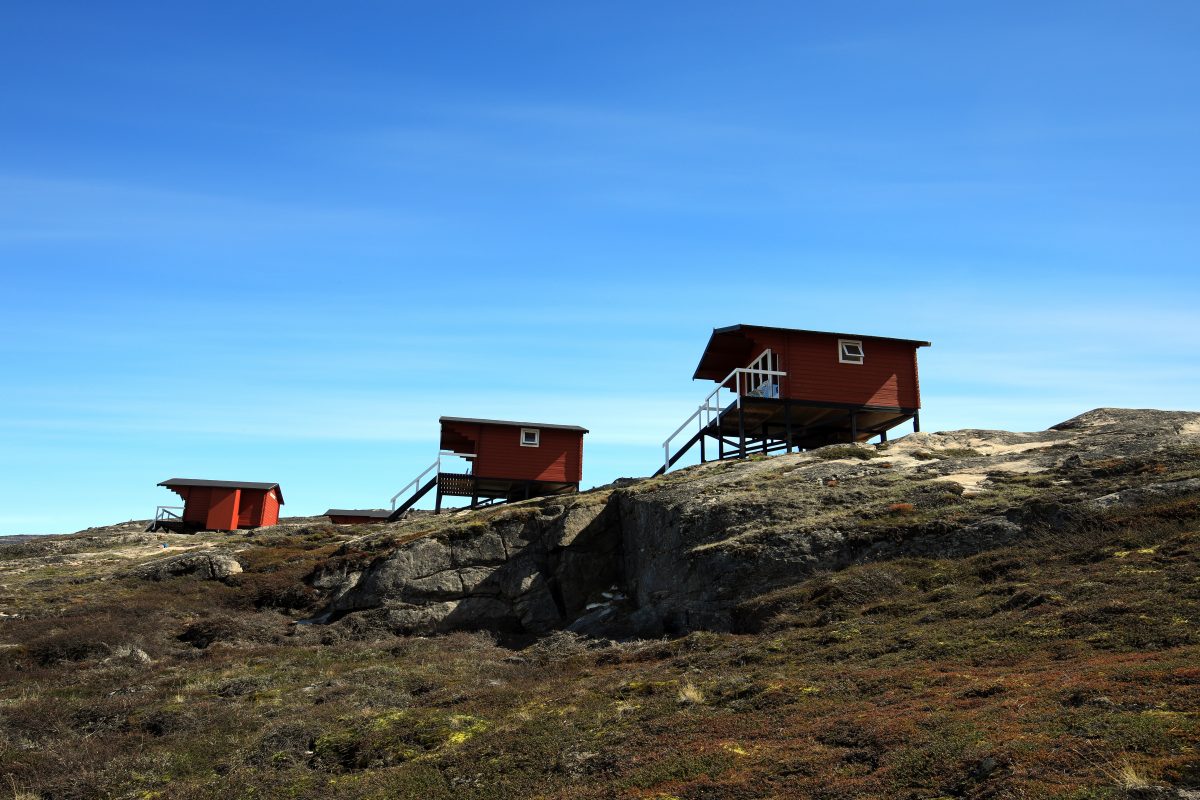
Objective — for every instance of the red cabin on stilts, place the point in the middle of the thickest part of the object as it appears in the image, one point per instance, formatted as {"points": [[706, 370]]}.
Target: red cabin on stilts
{"points": [[222, 505], [511, 460], [508, 461], [784, 388]]}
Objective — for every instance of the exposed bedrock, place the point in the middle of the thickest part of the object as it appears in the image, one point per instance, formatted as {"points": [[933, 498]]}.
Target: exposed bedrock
{"points": [[684, 551], [530, 568]]}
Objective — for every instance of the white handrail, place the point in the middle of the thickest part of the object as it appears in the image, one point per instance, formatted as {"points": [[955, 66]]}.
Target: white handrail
{"points": [[416, 482], [164, 514], [705, 412]]}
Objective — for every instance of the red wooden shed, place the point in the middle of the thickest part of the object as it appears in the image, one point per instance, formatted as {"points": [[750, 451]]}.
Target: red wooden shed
{"points": [[779, 388], [357, 516], [223, 505]]}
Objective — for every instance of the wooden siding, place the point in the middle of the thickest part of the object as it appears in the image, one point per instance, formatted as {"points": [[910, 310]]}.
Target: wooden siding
{"points": [[195, 503], [223, 510], [258, 508], [270, 509], [250, 509], [499, 454], [887, 376], [350, 519]]}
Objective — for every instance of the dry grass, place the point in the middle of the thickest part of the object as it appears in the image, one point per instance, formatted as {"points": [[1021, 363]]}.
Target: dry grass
{"points": [[690, 695], [1127, 776]]}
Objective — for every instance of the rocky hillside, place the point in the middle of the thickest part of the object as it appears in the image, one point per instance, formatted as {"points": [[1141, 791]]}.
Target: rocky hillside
{"points": [[694, 549], [963, 614]]}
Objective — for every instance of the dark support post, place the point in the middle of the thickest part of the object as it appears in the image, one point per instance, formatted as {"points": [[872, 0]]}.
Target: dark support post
{"points": [[702, 438], [474, 493], [916, 422], [853, 426], [437, 504], [741, 429], [527, 489], [787, 425], [720, 443], [883, 437]]}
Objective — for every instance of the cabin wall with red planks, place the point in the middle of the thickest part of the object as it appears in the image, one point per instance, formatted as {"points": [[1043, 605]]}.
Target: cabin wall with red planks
{"points": [[500, 454], [223, 510], [270, 509], [887, 376]]}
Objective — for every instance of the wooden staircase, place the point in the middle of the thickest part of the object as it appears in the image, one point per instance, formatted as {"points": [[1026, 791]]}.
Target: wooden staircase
{"points": [[412, 501]]}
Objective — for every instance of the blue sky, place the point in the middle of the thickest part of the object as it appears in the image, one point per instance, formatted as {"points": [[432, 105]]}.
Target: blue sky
{"points": [[275, 241]]}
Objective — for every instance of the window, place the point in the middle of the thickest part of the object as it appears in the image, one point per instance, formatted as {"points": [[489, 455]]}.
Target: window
{"points": [[530, 437], [850, 351]]}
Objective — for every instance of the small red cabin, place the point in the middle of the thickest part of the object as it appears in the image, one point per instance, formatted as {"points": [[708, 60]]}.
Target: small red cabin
{"points": [[787, 387], [508, 461], [357, 516], [223, 505], [533, 452]]}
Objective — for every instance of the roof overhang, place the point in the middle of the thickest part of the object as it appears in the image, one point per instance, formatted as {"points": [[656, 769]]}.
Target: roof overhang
{"points": [[367, 513], [732, 342], [173, 482], [511, 424]]}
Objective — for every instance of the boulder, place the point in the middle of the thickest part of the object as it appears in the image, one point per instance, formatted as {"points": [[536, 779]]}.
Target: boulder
{"points": [[207, 565]]}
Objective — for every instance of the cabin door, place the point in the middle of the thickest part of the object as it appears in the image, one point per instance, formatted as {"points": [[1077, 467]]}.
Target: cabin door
{"points": [[760, 381]]}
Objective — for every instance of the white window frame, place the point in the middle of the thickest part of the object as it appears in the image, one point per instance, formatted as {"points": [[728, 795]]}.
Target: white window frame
{"points": [[537, 437], [862, 353]]}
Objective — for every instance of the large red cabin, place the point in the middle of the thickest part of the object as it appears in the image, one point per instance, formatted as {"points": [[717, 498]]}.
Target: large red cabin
{"points": [[222, 505], [784, 388]]}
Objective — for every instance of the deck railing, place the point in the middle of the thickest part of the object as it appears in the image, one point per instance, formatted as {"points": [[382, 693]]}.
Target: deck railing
{"points": [[436, 468], [747, 382], [166, 514]]}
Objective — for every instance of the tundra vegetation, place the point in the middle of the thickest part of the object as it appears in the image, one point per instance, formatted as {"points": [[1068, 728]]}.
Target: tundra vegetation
{"points": [[1062, 661]]}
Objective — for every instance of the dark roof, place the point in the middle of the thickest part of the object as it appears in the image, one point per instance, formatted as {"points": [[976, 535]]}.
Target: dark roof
{"points": [[223, 485], [512, 424], [373, 513], [732, 328], [718, 332]]}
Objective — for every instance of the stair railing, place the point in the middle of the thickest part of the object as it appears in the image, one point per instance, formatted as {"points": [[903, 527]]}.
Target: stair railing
{"points": [[436, 467], [758, 382]]}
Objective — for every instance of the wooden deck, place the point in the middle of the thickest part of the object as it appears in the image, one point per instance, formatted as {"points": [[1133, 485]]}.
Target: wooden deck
{"points": [[780, 425], [479, 488], [806, 425]]}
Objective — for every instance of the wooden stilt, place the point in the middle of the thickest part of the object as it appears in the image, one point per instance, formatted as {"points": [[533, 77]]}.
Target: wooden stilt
{"points": [[741, 430], [787, 425]]}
